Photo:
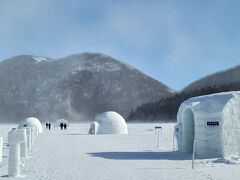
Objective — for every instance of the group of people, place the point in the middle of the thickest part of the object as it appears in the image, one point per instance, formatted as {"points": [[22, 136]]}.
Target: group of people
{"points": [[48, 126], [63, 125]]}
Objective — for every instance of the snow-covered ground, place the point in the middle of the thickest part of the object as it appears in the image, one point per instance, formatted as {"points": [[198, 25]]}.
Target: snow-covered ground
{"points": [[73, 154]]}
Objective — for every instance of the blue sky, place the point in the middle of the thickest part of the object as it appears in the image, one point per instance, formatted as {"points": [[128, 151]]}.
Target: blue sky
{"points": [[175, 42]]}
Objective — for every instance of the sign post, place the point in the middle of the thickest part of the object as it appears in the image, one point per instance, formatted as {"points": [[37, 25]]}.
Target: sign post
{"points": [[158, 128]]}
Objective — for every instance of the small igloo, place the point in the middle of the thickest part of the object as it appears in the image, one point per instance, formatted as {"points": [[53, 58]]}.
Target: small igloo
{"points": [[59, 121], [31, 122], [213, 121], [109, 123]]}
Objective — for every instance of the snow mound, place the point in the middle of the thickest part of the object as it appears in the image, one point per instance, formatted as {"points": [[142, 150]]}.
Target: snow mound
{"points": [[111, 123], [31, 122], [39, 59], [59, 121]]}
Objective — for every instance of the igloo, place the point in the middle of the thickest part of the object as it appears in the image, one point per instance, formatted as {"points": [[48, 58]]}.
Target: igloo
{"points": [[213, 121], [59, 121], [31, 122], [110, 123]]}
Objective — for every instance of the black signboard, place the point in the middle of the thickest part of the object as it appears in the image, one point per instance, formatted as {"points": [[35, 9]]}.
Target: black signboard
{"points": [[213, 123]]}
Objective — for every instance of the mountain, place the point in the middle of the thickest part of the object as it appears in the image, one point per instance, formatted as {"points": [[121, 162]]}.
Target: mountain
{"points": [[167, 108], [77, 87], [216, 80]]}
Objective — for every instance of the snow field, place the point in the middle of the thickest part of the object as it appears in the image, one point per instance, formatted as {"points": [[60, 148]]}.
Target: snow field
{"points": [[73, 154]]}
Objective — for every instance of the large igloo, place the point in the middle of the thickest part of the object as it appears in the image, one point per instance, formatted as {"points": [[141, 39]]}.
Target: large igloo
{"points": [[213, 122], [31, 122], [110, 123], [59, 121]]}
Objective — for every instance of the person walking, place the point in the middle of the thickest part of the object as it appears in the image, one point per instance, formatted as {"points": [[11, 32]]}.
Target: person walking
{"points": [[46, 125], [65, 126], [49, 126], [61, 125]]}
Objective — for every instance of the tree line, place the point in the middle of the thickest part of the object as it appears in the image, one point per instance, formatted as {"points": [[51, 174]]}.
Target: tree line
{"points": [[166, 108]]}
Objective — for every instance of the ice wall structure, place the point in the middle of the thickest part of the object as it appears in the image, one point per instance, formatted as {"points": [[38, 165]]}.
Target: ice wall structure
{"points": [[15, 138], [213, 121], [109, 123]]}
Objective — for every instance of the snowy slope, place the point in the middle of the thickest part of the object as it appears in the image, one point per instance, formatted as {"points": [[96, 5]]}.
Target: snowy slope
{"points": [[73, 154], [217, 79], [76, 87]]}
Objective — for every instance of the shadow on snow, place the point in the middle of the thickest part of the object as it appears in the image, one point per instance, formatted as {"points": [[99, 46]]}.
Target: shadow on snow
{"points": [[175, 155]]}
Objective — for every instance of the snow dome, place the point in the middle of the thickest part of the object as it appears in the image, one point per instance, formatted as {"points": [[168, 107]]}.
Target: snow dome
{"points": [[213, 121], [111, 123], [31, 122], [59, 121]]}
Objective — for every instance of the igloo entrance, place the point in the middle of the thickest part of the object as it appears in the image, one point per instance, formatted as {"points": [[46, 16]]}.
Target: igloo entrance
{"points": [[188, 130]]}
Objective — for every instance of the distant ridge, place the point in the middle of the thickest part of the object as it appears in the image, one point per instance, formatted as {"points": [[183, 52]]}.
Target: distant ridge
{"points": [[166, 108], [217, 79]]}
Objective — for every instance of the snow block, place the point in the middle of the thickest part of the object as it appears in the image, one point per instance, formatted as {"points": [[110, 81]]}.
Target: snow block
{"points": [[213, 121], [33, 133], [23, 145], [15, 138], [110, 123], [28, 135]]}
